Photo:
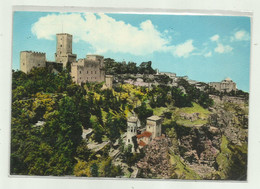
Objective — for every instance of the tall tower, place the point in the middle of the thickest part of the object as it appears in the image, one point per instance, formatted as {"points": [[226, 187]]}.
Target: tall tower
{"points": [[153, 125], [64, 49], [64, 43], [131, 130]]}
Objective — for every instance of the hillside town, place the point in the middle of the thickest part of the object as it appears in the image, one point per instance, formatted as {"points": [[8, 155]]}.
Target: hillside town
{"points": [[147, 125], [91, 68]]}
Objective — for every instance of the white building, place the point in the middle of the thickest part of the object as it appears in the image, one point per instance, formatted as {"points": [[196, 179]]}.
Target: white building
{"points": [[132, 125], [154, 125]]}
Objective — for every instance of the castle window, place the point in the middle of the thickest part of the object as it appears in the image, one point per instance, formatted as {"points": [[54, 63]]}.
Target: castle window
{"points": [[95, 72], [91, 72], [80, 72], [128, 140], [60, 45], [87, 72]]}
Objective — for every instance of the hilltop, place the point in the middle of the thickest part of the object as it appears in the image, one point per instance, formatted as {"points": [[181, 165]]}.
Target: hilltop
{"points": [[61, 128]]}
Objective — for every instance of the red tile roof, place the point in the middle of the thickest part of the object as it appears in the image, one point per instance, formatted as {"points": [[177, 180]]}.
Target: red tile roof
{"points": [[144, 134], [142, 143]]}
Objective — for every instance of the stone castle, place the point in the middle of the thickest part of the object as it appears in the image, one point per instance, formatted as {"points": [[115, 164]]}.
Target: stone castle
{"points": [[89, 69], [226, 85]]}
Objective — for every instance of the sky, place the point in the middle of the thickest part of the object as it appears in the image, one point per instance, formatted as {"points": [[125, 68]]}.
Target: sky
{"points": [[204, 48]]}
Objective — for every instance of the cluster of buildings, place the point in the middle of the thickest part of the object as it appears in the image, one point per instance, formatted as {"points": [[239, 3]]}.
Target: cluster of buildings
{"points": [[145, 135], [226, 85], [89, 69]]}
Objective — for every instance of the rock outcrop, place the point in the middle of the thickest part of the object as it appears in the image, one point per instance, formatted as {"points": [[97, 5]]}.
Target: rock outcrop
{"points": [[200, 146], [156, 162]]}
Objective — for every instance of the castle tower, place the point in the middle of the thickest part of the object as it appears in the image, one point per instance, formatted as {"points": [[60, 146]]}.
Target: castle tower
{"points": [[131, 130], [64, 49], [109, 81], [154, 125], [30, 60]]}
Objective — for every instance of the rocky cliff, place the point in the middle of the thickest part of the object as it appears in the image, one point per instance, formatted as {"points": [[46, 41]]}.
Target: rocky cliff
{"points": [[215, 150]]}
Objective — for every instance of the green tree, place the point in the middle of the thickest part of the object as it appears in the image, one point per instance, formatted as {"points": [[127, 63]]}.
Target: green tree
{"points": [[163, 79], [98, 130], [84, 113], [113, 128], [146, 68], [132, 68], [143, 113], [94, 170], [63, 131], [83, 152]]}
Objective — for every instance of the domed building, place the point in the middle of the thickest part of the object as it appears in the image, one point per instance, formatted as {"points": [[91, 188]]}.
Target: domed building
{"points": [[226, 85]]}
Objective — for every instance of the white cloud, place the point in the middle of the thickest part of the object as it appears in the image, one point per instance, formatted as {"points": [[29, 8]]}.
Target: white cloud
{"points": [[106, 34], [209, 54], [103, 33], [184, 49], [223, 48], [214, 38], [241, 35]]}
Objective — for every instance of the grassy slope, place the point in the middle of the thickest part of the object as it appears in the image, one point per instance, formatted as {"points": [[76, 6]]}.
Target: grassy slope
{"points": [[203, 115], [223, 157], [181, 170]]}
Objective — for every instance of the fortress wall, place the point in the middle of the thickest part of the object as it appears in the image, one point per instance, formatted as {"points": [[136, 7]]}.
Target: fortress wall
{"points": [[29, 60], [97, 58], [216, 85], [74, 72]]}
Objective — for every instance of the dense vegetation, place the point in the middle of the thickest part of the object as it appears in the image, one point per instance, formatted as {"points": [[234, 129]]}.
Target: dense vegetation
{"points": [[49, 113], [112, 67]]}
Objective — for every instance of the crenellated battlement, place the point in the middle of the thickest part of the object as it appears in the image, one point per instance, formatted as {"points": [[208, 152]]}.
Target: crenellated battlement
{"points": [[32, 59], [64, 34], [33, 52]]}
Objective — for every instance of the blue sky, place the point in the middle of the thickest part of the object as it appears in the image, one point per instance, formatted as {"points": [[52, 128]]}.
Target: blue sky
{"points": [[205, 48]]}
